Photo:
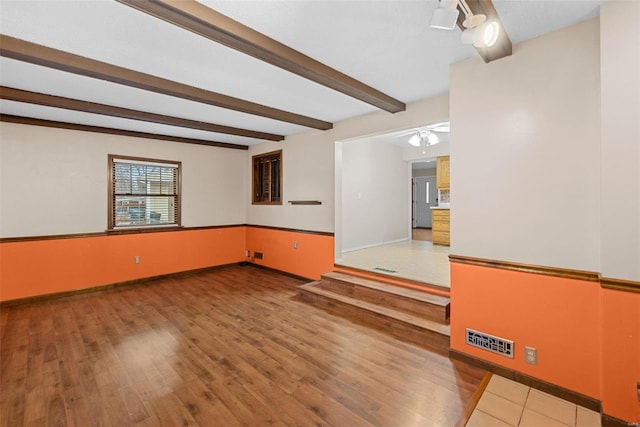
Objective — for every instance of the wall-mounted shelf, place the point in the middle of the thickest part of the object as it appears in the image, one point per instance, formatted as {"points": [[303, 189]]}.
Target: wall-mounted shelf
{"points": [[305, 202]]}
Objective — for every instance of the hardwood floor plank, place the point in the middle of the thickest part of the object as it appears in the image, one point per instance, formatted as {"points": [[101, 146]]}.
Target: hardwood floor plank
{"points": [[233, 347], [78, 413], [3, 322], [244, 402], [13, 411], [14, 366], [171, 412], [204, 405], [56, 413], [34, 404], [324, 405]]}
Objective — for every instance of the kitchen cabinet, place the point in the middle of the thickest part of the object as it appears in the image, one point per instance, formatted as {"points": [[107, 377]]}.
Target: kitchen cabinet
{"points": [[440, 227], [442, 172]]}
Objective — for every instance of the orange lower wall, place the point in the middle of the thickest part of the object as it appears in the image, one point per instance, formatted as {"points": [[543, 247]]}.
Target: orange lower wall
{"points": [[560, 317], [313, 256], [587, 337], [43, 267], [621, 354]]}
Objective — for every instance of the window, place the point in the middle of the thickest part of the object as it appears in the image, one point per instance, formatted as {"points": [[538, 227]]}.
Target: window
{"points": [[143, 192], [267, 178], [427, 193]]}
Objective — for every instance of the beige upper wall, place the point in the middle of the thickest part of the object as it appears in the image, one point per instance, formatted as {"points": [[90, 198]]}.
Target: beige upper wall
{"points": [[309, 164], [216, 184], [54, 181], [525, 152], [620, 82], [375, 194]]}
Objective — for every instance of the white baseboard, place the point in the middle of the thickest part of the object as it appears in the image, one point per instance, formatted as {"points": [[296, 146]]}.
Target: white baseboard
{"points": [[358, 248]]}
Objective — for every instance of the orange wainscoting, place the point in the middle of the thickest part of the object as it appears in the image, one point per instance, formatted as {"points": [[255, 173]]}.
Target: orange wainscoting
{"points": [[40, 267], [559, 317], [621, 354], [313, 256]]}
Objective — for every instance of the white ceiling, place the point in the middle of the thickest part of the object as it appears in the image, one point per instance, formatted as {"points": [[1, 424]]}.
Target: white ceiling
{"points": [[385, 44]]}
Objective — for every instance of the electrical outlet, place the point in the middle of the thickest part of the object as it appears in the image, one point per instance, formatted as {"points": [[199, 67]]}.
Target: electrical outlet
{"points": [[136, 259], [247, 253], [295, 244], [530, 355]]}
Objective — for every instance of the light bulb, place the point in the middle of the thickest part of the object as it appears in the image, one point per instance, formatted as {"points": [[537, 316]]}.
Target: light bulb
{"points": [[415, 140], [491, 33], [484, 35]]}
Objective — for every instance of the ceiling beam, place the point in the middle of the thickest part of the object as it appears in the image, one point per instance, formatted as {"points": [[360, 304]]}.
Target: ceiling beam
{"points": [[25, 96], [111, 131], [502, 47], [208, 23], [25, 51]]}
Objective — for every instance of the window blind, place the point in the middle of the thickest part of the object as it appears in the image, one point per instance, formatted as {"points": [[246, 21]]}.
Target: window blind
{"points": [[144, 193]]}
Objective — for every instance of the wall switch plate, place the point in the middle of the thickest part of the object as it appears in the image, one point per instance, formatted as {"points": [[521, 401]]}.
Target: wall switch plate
{"points": [[136, 259], [530, 355], [295, 244]]}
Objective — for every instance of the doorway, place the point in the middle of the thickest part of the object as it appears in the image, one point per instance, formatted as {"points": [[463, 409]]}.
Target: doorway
{"points": [[424, 196], [375, 219]]}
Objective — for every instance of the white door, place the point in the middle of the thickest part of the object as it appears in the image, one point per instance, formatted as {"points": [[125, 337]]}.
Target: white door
{"points": [[425, 194]]}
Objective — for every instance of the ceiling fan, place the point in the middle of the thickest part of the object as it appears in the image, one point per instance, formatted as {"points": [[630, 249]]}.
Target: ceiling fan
{"points": [[426, 136]]}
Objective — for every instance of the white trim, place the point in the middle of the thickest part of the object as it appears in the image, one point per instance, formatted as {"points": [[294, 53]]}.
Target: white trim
{"points": [[163, 164]]}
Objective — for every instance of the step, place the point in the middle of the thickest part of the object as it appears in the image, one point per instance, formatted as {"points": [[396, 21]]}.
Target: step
{"points": [[426, 333], [421, 303], [393, 279]]}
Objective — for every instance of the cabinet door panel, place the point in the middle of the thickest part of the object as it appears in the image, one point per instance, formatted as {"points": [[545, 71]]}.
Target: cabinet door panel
{"points": [[442, 172], [440, 237]]}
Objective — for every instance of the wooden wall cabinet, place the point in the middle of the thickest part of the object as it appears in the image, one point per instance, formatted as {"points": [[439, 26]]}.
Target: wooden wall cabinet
{"points": [[442, 172], [440, 227]]}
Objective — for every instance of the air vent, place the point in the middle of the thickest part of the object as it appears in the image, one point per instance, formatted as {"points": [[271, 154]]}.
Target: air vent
{"points": [[386, 270], [489, 342]]}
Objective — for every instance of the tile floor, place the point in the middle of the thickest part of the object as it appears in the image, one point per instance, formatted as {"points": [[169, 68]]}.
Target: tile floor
{"points": [[507, 403], [410, 259]]}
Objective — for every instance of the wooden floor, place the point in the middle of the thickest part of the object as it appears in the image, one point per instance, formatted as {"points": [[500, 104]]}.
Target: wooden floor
{"points": [[421, 234], [231, 347]]}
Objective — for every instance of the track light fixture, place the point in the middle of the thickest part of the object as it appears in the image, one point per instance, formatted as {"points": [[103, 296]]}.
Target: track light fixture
{"points": [[445, 15], [477, 31], [483, 35]]}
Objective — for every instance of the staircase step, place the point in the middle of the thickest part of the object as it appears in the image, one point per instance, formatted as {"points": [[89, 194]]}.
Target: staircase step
{"points": [[394, 279], [421, 303], [415, 329]]}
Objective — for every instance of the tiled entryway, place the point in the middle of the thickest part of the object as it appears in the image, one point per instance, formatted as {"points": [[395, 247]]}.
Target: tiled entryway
{"points": [[506, 403]]}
